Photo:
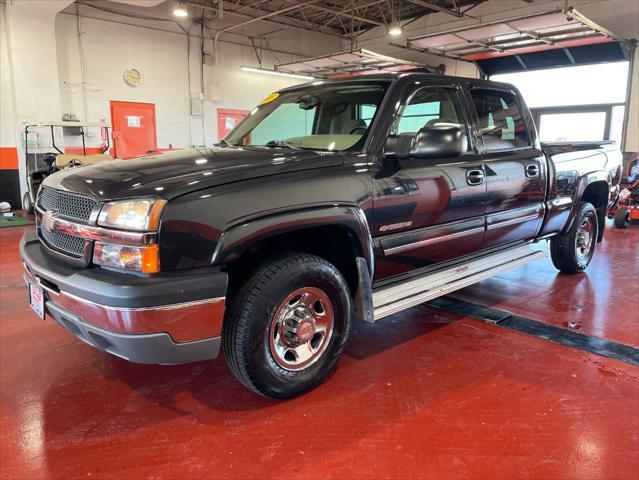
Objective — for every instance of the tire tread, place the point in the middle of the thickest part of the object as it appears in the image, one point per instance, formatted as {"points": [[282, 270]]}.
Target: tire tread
{"points": [[236, 327]]}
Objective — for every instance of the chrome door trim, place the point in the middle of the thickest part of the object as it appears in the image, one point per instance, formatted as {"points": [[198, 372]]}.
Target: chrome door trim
{"points": [[431, 241], [513, 217], [513, 221], [404, 241]]}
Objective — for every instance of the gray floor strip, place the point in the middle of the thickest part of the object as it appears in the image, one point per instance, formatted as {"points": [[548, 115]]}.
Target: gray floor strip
{"points": [[579, 341]]}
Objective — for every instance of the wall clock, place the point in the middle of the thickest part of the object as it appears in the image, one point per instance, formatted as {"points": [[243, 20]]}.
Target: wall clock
{"points": [[132, 77]]}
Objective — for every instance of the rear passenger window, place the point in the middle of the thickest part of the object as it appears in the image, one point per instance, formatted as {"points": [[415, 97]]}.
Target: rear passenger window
{"points": [[500, 121]]}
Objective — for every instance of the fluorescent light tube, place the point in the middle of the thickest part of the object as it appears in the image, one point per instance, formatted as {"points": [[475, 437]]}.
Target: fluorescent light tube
{"points": [[276, 73]]}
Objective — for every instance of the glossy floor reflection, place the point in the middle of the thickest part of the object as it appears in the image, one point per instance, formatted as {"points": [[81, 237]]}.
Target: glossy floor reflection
{"points": [[424, 394]]}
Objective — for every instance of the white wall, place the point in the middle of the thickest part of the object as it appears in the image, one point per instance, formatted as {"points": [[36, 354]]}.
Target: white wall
{"points": [[7, 118], [161, 57], [632, 129]]}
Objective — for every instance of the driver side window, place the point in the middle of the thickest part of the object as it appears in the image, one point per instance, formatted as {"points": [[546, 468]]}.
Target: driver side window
{"points": [[427, 107]]}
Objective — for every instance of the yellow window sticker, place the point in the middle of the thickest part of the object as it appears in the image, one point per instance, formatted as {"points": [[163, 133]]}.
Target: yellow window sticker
{"points": [[270, 98]]}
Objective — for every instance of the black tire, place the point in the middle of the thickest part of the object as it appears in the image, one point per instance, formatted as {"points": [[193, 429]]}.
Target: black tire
{"points": [[27, 205], [567, 251], [250, 325], [622, 218]]}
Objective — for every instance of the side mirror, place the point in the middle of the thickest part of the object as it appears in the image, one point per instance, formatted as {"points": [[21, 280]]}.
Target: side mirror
{"points": [[399, 146], [439, 141]]}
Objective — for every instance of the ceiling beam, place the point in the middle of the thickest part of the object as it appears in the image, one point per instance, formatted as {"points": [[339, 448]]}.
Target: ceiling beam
{"points": [[345, 14], [437, 8], [263, 18]]}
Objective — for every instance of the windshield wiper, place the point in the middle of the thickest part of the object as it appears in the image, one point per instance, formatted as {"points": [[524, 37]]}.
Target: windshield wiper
{"points": [[280, 143]]}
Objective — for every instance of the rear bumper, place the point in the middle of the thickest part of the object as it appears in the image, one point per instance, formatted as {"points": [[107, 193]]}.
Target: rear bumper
{"points": [[167, 319]]}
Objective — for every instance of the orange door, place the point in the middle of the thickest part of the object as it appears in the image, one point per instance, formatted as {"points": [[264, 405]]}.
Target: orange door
{"points": [[133, 129], [227, 119]]}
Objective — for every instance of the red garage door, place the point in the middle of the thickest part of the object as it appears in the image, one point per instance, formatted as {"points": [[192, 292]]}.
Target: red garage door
{"points": [[133, 128]]}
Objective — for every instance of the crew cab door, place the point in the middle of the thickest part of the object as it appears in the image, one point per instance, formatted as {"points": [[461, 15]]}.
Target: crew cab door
{"points": [[427, 210], [515, 168]]}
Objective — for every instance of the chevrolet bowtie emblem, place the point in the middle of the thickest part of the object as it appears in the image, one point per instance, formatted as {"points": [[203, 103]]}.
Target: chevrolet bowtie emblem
{"points": [[48, 220]]}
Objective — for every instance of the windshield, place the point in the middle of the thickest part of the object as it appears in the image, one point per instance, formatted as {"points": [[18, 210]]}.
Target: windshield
{"points": [[322, 117]]}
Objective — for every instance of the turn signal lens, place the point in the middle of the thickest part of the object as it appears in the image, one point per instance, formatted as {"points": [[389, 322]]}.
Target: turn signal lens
{"points": [[144, 259]]}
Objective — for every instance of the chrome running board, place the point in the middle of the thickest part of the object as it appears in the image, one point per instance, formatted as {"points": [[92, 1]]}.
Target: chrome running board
{"points": [[397, 297]]}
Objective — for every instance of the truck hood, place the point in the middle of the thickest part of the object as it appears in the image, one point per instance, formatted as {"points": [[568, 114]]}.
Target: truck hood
{"points": [[172, 174]]}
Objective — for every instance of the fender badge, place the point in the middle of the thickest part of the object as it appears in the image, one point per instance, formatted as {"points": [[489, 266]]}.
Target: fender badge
{"points": [[395, 226]]}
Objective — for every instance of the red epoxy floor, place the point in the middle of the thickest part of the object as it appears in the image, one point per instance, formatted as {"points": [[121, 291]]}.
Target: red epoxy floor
{"points": [[425, 394], [597, 303]]}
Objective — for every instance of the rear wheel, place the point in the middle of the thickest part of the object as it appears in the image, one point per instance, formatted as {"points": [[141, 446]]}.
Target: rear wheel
{"points": [[622, 218], [572, 251], [27, 205], [287, 325]]}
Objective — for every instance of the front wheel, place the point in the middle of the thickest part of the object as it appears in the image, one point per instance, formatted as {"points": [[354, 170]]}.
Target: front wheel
{"points": [[287, 325], [622, 218], [27, 205], [572, 251]]}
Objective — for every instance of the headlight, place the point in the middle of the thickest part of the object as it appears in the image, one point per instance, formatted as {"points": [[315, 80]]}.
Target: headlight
{"points": [[137, 215], [144, 259]]}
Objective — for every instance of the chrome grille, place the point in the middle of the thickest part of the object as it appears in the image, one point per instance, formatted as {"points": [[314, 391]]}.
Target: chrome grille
{"points": [[65, 243], [71, 206]]}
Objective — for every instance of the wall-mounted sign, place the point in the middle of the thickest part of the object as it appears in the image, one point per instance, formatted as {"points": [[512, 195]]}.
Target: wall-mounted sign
{"points": [[132, 77]]}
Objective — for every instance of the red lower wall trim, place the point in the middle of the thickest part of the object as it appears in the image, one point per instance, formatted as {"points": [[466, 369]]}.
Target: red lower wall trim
{"points": [[8, 158]]}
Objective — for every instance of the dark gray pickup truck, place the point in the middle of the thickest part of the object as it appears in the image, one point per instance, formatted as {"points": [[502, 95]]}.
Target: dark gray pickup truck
{"points": [[331, 201]]}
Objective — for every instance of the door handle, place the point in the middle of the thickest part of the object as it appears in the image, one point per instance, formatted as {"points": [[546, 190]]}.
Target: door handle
{"points": [[474, 177], [532, 170]]}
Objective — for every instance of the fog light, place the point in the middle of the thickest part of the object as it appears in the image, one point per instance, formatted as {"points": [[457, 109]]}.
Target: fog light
{"points": [[144, 259]]}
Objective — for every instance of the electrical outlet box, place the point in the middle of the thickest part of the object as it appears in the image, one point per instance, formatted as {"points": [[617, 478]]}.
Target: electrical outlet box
{"points": [[196, 107]]}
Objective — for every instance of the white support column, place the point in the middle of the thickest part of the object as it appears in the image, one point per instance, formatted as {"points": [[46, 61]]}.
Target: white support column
{"points": [[34, 65], [631, 143]]}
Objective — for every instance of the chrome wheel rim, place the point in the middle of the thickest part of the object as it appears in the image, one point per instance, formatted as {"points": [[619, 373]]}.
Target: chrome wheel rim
{"points": [[301, 328], [584, 238]]}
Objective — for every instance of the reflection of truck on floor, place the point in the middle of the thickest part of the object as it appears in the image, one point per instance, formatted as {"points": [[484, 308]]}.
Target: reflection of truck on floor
{"points": [[353, 198], [42, 161]]}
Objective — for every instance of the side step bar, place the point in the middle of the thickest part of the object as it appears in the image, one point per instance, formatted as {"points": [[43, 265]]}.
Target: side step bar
{"points": [[397, 297]]}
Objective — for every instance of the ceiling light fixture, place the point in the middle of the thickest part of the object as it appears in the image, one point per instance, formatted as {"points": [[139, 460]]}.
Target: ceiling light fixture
{"points": [[395, 27], [276, 73], [180, 11], [395, 30]]}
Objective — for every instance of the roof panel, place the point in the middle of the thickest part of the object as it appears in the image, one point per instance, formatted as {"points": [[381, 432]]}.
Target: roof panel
{"points": [[538, 22], [487, 31], [357, 61]]}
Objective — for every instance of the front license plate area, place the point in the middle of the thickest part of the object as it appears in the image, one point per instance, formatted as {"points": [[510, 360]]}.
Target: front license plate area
{"points": [[36, 299]]}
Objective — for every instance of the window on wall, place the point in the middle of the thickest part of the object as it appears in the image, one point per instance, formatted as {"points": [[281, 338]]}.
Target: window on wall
{"points": [[583, 103], [500, 120], [576, 127]]}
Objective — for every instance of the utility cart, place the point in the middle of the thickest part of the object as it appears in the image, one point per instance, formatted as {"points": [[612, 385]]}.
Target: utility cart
{"points": [[53, 146]]}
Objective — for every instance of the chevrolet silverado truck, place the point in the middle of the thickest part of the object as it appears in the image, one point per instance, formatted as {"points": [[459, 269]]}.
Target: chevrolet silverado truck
{"points": [[331, 201]]}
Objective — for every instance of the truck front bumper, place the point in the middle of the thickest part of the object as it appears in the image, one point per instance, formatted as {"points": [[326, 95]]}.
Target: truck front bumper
{"points": [[170, 318]]}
